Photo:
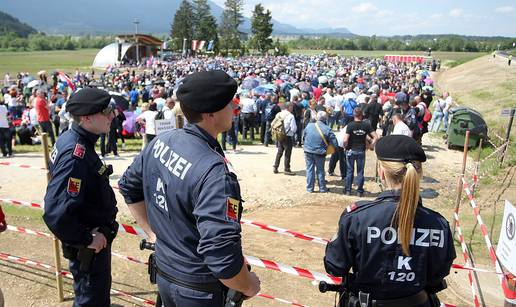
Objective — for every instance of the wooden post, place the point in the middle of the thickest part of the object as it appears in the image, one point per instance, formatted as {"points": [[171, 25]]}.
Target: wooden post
{"points": [[55, 241], [507, 135], [477, 166], [459, 183]]}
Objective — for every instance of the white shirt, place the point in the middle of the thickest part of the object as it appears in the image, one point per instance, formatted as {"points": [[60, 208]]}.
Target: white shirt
{"points": [[338, 102], [294, 93], [350, 95], [3, 117], [169, 114], [33, 116], [248, 105], [289, 122], [361, 98], [150, 124], [401, 129], [449, 101]]}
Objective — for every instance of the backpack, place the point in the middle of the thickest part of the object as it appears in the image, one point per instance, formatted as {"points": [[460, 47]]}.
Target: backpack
{"points": [[160, 115], [349, 105], [278, 128]]}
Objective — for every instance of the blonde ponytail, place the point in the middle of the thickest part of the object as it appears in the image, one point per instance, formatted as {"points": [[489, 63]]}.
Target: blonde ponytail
{"points": [[408, 175]]}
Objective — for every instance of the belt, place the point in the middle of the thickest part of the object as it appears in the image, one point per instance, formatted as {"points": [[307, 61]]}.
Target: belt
{"points": [[414, 300], [211, 287]]}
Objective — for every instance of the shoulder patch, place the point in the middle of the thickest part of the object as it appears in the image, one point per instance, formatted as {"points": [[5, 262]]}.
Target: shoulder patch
{"points": [[233, 208], [79, 151], [102, 170], [53, 154], [351, 207], [74, 186]]}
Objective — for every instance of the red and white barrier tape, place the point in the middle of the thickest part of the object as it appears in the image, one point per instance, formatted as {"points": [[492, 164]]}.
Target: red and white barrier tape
{"points": [[28, 262], [466, 259], [128, 258], [134, 230], [5, 163], [271, 265], [21, 203], [28, 231], [285, 232], [483, 228]]}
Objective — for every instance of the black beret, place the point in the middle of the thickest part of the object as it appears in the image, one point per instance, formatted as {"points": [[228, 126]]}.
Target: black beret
{"points": [[207, 91], [399, 148], [88, 101]]}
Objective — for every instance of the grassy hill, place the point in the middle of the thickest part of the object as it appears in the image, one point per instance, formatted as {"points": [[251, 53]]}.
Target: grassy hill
{"points": [[9, 24]]}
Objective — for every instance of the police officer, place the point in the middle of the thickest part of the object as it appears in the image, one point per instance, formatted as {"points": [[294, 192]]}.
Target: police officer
{"points": [[80, 206], [184, 193], [399, 250]]}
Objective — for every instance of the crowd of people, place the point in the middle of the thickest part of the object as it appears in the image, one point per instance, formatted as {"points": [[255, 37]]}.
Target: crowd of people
{"points": [[348, 99]]}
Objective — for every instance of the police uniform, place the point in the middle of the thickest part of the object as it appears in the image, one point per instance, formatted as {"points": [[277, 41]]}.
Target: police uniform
{"points": [[79, 199], [367, 242], [192, 199]]}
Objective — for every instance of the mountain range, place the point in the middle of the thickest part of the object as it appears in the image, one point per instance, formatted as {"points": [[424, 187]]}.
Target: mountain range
{"points": [[100, 17]]}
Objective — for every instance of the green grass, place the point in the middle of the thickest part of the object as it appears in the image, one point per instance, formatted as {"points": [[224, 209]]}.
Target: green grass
{"points": [[34, 61], [457, 57]]}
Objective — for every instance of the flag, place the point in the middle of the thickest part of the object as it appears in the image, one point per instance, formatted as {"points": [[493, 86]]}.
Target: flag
{"points": [[194, 44], [211, 44], [67, 80], [201, 45]]}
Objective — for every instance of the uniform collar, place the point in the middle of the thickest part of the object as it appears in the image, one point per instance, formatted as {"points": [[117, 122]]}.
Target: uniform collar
{"points": [[202, 134], [90, 137], [395, 195]]}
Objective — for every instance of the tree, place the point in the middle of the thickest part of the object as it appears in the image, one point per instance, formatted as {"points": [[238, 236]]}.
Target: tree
{"points": [[231, 20], [182, 26], [205, 25], [261, 28]]}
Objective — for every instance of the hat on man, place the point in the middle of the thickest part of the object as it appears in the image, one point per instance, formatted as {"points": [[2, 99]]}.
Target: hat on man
{"points": [[88, 101], [207, 91], [399, 148]]}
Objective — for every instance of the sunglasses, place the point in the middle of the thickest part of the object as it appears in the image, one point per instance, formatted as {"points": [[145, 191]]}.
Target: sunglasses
{"points": [[109, 109]]}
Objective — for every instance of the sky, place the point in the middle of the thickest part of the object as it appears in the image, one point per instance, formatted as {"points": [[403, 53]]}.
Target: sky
{"points": [[396, 17]]}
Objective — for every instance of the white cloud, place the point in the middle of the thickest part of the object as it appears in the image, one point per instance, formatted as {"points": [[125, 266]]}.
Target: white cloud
{"points": [[505, 9], [364, 8], [455, 13]]}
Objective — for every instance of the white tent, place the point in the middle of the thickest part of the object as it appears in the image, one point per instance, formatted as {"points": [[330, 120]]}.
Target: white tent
{"points": [[109, 55]]}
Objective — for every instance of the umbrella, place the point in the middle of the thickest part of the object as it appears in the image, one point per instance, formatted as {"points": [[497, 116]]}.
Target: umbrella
{"points": [[27, 79], [250, 83], [278, 82], [120, 100], [305, 86], [262, 89], [33, 83]]}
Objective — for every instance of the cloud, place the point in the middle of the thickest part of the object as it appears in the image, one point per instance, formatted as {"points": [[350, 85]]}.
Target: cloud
{"points": [[455, 13], [364, 8], [505, 9], [436, 16]]}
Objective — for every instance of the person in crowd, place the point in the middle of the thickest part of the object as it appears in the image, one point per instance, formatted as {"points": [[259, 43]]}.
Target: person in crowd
{"points": [[317, 137], [285, 144], [248, 111], [80, 205], [373, 111], [168, 111], [446, 111], [409, 117], [262, 104], [339, 156], [43, 107], [148, 118], [5, 134], [383, 241], [355, 139], [271, 110], [438, 115], [24, 135], [400, 127], [198, 247]]}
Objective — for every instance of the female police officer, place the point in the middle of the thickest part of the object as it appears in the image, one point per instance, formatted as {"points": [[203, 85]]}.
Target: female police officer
{"points": [[399, 250]]}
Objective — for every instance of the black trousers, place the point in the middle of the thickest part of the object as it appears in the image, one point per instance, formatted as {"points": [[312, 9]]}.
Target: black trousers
{"points": [[248, 125], [338, 156], [284, 146], [6, 144], [47, 127], [92, 288]]}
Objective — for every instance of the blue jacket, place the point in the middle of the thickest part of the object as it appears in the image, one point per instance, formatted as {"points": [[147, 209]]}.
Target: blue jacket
{"points": [[313, 143], [79, 197], [193, 204]]}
